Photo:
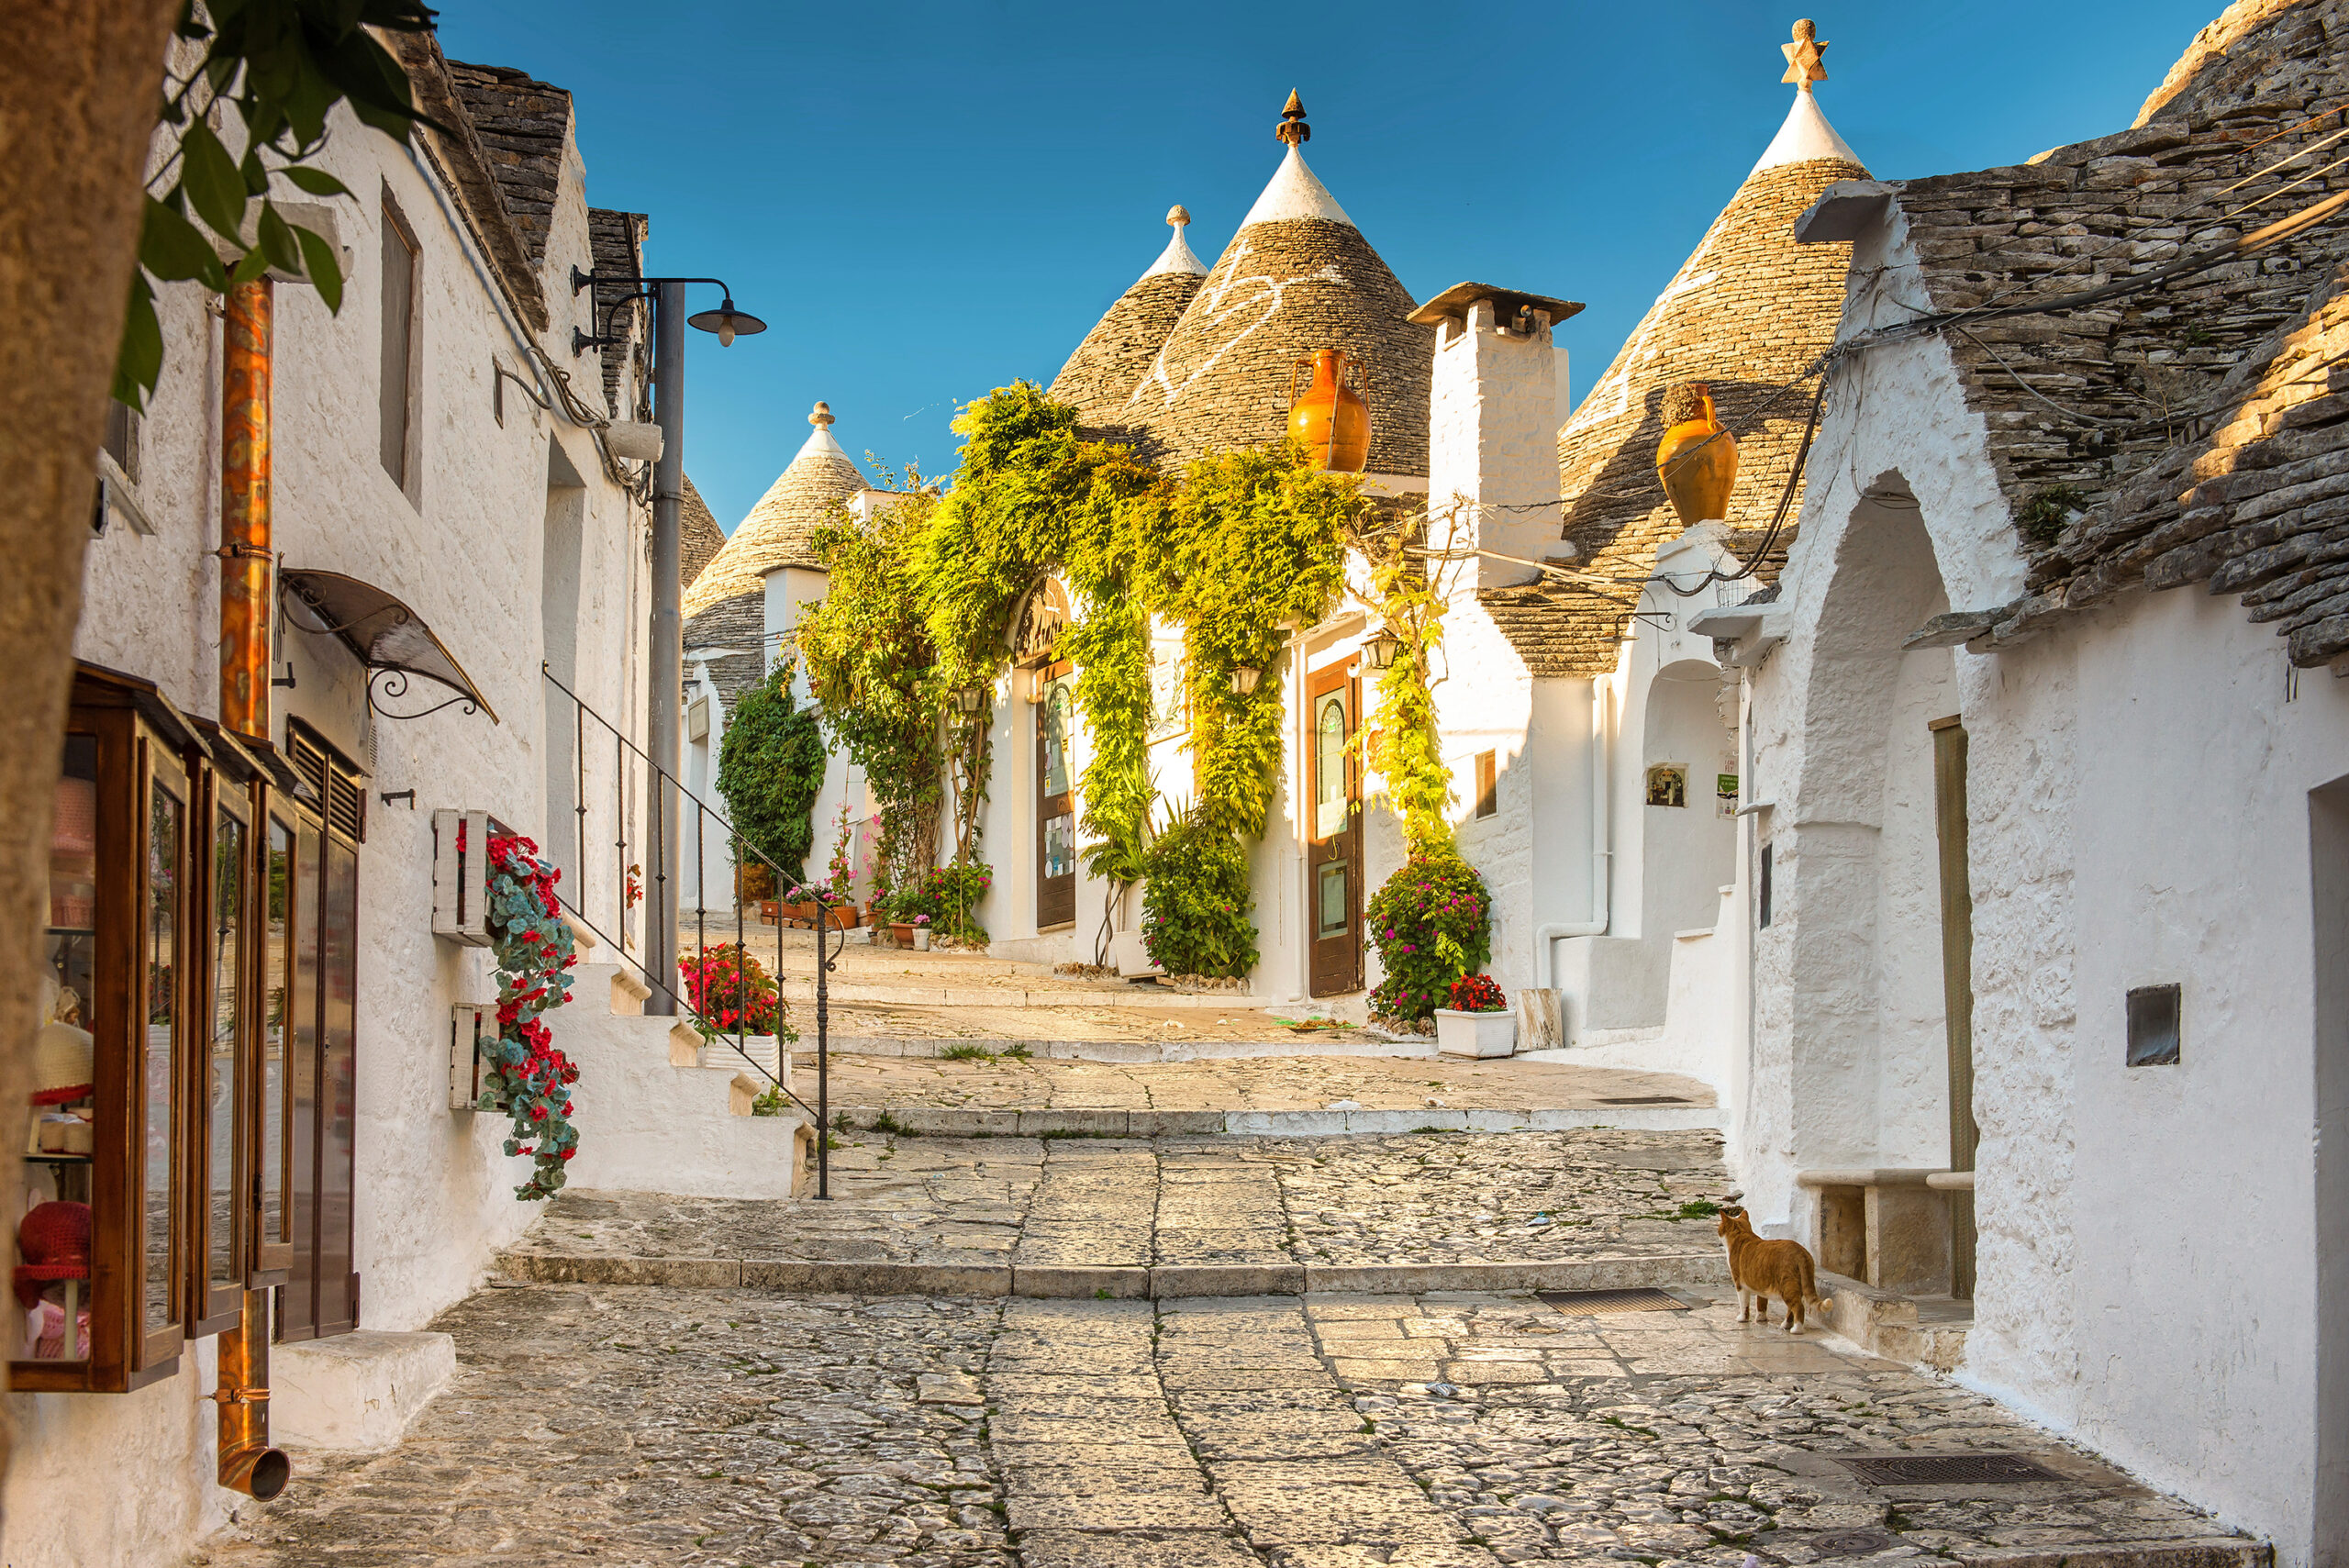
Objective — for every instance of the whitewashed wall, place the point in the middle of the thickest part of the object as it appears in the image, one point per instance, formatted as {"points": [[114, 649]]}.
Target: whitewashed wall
{"points": [[2139, 804], [105, 1479]]}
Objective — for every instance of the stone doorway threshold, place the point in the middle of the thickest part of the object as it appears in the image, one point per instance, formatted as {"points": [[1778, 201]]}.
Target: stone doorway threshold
{"points": [[1920, 1330]]}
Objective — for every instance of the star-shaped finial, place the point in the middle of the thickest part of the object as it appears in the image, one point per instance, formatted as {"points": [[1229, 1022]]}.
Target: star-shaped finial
{"points": [[1803, 56], [1293, 129]]}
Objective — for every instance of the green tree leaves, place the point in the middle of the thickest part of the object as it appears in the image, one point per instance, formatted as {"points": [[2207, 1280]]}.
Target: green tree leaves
{"points": [[283, 65]]}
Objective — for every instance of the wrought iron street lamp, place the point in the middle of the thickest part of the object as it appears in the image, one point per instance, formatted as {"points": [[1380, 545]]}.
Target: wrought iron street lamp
{"points": [[1244, 678], [666, 697], [1382, 646]]}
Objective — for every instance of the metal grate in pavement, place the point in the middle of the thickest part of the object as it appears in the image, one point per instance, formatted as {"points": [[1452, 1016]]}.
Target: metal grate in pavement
{"points": [[1645, 1100], [1591, 1303], [1948, 1470]]}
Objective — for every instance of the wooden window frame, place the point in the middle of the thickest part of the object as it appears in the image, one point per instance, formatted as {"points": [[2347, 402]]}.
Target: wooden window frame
{"points": [[141, 744], [398, 231], [1488, 793], [214, 1306]]}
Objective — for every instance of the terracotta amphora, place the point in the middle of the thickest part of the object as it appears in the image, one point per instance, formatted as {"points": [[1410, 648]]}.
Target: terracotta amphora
{"points": [[1696, 458], [1330, 418]]}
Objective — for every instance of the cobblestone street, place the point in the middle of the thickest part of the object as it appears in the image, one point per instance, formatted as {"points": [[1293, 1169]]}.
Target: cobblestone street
{"points": [[639, 1425]]}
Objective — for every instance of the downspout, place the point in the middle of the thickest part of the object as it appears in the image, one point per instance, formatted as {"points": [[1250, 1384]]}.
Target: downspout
{"points": [[244, 508], [247, 1462], [1602, 855]]}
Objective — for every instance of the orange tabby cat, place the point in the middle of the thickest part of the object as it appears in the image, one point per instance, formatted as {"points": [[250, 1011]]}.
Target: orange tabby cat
{"points": [[1761, 1269]]}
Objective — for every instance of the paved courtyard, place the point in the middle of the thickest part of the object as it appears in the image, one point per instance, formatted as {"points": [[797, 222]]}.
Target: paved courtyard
{"points": [[632, 1426]]}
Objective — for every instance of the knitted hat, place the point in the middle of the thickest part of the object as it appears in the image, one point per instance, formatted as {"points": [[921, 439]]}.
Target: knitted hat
{"points": [[54, 1241], [65, 1066]]}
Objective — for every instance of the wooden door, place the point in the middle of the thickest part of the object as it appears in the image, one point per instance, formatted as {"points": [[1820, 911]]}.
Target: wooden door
{"points": [[1333, 831], [1055, 797], [1957, 986]]}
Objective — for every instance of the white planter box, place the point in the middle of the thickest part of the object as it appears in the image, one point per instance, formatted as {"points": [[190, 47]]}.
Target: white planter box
{"points": [[1475, 1034]]}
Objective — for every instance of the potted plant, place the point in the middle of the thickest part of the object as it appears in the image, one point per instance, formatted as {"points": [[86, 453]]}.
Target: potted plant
{"points": [[921, 933], [1478, 1022]]}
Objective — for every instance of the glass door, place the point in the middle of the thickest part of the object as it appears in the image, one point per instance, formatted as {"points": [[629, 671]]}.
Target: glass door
{"points": [[1333, 832], [1055, 797]]}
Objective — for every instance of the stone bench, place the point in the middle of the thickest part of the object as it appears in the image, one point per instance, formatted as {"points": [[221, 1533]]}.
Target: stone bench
{"points": [[1887, 1227]]}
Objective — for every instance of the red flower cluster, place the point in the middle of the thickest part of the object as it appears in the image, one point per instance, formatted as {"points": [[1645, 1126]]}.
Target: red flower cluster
{"points": [[729, 990], [1477, 994], [534, 955]]}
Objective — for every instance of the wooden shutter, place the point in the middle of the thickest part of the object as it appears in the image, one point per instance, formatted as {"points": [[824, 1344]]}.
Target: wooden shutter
{"points": [[321, 1294]]}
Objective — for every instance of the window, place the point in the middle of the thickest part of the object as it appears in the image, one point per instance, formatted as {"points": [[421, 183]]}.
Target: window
{"points": [[320, 1293], [160, 1180], [2153, 1026], [1488, 794], [1761, 892], [400, 349]]}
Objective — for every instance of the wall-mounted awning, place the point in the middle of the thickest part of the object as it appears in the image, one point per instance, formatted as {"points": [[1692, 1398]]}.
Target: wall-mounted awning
{"points": [[376, 626]]}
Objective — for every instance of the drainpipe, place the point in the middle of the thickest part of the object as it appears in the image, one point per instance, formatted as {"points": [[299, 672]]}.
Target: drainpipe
{"points": [[244, 509], [1602, 856], [248, 1463]]}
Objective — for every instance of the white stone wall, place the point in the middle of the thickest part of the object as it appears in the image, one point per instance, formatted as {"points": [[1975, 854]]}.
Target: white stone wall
{"points": [[118, 1479], [2138, 814]]}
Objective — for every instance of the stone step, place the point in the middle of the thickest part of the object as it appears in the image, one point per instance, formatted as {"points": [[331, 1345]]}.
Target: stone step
{"points": [[1312, 1042], [959, 1121], [1926, 1331], [862, 1278], [922, 992], [628, 994]]}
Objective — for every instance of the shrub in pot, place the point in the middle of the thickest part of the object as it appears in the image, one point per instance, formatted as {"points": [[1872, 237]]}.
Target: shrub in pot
{"points": [[1431, 924]]}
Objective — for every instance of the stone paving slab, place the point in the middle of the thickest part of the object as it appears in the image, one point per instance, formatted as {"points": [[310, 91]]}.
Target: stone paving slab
{"points": [[1575, 1210], [1333, 1087], [626, 1425]]}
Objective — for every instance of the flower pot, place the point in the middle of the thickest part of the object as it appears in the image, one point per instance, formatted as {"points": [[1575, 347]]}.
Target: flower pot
{"points": [[922, 939], [1475, 1034], [902, 935], [770, 912]]}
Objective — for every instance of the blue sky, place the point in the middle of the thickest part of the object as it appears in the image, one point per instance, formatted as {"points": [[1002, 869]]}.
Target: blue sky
{"points": [[929, 200]]}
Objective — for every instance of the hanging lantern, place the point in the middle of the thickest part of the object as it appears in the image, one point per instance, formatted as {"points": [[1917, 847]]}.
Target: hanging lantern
{"points": [[1382, 648], [1696, 458], [1244, 678], [1331, 420], [968, 700]]}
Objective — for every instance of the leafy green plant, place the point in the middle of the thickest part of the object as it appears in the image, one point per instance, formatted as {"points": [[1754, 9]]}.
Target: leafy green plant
{"points": [[283, 65], [2048, 513], [770, 768], [1197, 900], [943, 899], [1411, 759], [871, 663], [1431, 924]]}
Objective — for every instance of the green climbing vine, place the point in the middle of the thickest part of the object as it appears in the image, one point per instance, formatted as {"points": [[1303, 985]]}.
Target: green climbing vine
{"points": [[770, 769], [1236, 551], [1431, 921], [872, 669]]}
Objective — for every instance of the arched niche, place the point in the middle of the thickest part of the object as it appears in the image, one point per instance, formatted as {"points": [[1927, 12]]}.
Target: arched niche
{"points": [[1871, 1068]]}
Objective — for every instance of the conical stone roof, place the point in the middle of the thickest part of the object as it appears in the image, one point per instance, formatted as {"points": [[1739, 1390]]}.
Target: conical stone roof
{"points": [[1746, 313], [1298, 276], [1127, 338], [781, 529]]}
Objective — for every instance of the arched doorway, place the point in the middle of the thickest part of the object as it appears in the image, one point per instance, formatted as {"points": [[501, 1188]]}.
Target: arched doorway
{"points": [[1871, 1043]]}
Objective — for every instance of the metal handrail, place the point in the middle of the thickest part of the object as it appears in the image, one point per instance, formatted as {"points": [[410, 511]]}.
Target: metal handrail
{"points": [[659, 779]]}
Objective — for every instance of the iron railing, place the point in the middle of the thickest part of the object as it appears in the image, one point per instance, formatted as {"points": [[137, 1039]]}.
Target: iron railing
{"points": [[667, 796]]}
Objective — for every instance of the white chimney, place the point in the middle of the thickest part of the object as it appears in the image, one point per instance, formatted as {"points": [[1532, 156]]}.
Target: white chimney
{"points": [[1492, 429]]}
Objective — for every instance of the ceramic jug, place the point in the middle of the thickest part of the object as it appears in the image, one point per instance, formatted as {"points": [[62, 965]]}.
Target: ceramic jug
{"points": [[1330, 418], [1696, 458]]}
